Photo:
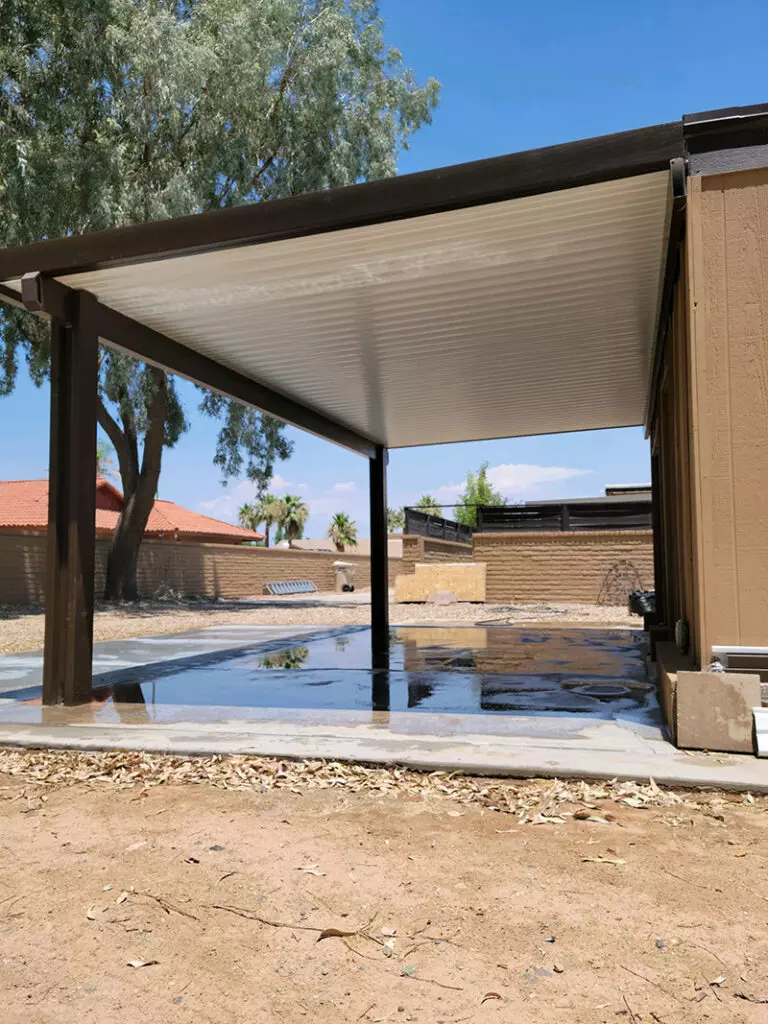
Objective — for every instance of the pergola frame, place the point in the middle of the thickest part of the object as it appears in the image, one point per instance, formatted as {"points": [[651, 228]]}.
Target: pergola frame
{"points": [[80, 321]]}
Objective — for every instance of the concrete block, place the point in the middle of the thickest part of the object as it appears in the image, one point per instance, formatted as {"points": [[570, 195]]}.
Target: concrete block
{"points": [[465, 579], [714, 711], [761, 730], [670, 662]]}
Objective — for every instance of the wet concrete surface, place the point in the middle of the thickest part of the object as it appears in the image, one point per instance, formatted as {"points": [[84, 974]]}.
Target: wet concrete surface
{"points": [[442, 671]]}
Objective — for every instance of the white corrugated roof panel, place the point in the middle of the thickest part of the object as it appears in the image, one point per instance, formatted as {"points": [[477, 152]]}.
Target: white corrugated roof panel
{"points": [[527, 316]]}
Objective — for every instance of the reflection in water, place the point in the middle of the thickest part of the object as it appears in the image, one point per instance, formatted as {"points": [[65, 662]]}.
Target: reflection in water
{"points": [[380, 693], [456, 670], [291, 657]]}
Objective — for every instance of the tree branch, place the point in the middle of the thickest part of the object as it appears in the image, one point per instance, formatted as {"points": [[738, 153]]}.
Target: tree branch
{"points": [[125, 457]]}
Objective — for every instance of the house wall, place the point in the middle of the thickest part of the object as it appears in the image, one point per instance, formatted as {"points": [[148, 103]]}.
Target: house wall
{"points": [[727, 253], [210, 570], [677, 583], [593, 567]]}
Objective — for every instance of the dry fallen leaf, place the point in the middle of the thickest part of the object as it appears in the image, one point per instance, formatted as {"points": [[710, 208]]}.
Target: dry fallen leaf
{"points": [[142, 963], [389, 931], [603, 860], [311, 869], [587, 816], [122, 897], [719, 980], [491, 995], [136, 846], [330, 933], [91, 913]]}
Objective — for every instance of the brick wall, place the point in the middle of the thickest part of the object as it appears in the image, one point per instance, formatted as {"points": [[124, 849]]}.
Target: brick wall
{"points": [[590, 567], [424, 549], [211, 570]]}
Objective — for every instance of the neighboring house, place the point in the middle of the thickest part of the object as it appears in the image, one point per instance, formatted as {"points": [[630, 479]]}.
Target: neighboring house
{"points": [[362, 547], [24, 507]]}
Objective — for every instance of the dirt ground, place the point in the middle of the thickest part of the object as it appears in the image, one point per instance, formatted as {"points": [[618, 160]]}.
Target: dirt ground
{"points": [[264, 892], [21, 629]]}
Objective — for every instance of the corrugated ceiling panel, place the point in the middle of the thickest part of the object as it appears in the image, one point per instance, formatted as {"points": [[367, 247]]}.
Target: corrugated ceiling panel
{"points": [[531, 316]]}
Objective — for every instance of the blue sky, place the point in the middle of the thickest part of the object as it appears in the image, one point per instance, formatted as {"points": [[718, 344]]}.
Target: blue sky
{"points": [[514, 76]]}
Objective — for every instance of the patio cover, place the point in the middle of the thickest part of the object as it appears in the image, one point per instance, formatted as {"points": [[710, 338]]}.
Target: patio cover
{"points": [[517, 295]]}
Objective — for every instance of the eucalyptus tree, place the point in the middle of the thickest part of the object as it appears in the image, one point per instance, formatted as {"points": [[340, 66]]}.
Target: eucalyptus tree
{"points": [[118, 111]]}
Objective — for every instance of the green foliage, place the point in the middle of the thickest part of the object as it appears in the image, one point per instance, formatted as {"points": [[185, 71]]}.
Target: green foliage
{"points": [[106, 467], [395, 519], [291, 515], [342, 531], [265, 509], [118, 111], [478, 490], [428, 504]]}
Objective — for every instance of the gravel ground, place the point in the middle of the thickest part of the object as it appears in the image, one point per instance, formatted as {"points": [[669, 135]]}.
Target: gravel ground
{"points": [[21, 629], [207, 891]]}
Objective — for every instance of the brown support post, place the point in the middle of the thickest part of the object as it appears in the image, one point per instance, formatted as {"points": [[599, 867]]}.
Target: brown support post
{"points": [[71, 512], [379, 569]]}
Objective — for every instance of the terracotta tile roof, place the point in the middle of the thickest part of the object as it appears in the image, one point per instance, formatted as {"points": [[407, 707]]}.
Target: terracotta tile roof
{"points": [[24, 506]]}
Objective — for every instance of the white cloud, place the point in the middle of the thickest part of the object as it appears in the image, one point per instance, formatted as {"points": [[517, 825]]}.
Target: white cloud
{"points": [[225, 505], [345, 488], [523, 478], [515, 479], [448, 491], [279, 483], [323, 506]]}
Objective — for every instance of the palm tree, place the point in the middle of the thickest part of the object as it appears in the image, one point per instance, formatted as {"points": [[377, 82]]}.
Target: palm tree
{"points": [[264, 510], [342, 531], [292, 513], [428, 504], [395, 519]]}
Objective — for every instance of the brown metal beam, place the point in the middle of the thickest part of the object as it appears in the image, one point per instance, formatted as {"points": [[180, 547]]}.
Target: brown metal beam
{"points": [[43, 294], [67, 665]]}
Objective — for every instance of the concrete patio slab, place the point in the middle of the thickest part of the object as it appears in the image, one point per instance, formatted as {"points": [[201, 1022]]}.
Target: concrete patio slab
{"points": [[593, 750], [489, 701]]}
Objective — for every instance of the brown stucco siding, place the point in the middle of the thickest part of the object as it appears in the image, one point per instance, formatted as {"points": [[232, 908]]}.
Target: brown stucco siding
{"points": [[600, 566], [210, 570]]}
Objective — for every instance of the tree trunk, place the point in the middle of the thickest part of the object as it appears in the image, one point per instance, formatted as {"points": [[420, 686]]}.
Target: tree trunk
{"points": [[122, 560], [140, 488]]}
